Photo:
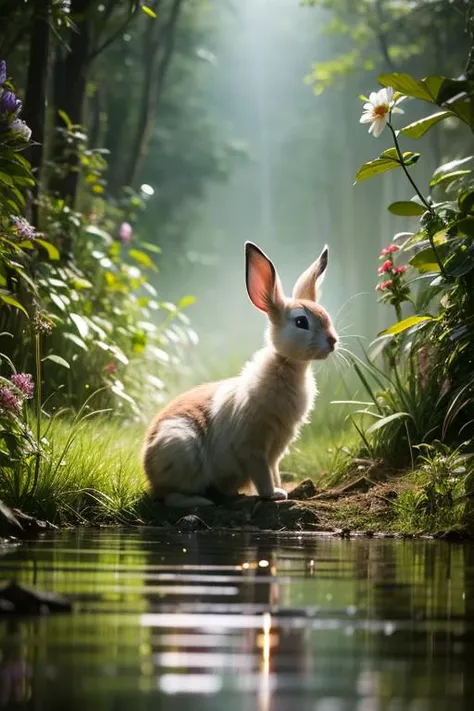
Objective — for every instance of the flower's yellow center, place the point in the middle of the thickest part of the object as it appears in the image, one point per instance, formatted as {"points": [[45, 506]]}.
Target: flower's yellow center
{"points": [[381, 110]]}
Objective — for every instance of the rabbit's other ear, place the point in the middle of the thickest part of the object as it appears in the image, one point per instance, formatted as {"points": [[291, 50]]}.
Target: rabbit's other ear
{"points": [[262, 280], [307, 284]]}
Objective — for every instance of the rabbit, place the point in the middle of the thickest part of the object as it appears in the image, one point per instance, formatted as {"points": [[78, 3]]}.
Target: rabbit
{"points": [[227, 435]]}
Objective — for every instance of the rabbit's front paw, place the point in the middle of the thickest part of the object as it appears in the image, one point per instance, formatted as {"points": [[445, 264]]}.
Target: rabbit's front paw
{"points": [[279, 494]]}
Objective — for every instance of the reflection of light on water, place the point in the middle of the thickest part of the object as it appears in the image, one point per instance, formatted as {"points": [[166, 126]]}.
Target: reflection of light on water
{"points": [[266, 643], [189, 684], [203, 660]]}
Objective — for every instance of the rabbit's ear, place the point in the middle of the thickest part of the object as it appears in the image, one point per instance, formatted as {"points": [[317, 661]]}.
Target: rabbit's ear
{"points": [[262, 280], [307, 284]]}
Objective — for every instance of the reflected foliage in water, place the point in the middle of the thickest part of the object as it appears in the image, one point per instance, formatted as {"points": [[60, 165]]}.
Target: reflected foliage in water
{"points": [[241, 621]]}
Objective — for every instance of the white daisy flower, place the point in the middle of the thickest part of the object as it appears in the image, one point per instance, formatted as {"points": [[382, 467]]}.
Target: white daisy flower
{"points": [[377, 109]]}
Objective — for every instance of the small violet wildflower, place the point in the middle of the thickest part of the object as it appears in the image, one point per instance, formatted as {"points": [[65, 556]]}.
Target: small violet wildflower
{"points": [[24, 383], [10, 107], [111, 368], [9, 401], [22, 228], [9, 104], [377, 110]]}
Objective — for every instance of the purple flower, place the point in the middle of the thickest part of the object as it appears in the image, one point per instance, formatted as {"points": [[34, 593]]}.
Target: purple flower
{"points": [[9, 104], [24, 383], [23, 228], [9, 401], [3, 71]]}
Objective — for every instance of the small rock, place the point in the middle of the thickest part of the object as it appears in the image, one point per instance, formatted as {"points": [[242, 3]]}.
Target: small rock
{"points": [[191, 522], [305, 490]]}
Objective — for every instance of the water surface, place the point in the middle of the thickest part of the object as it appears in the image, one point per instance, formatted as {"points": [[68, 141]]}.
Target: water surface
{"points": [[227, 622]]}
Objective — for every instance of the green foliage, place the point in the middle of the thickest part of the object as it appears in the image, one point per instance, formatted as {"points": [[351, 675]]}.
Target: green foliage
{"points": [[438, 498], [424, 391], [395, 33]]}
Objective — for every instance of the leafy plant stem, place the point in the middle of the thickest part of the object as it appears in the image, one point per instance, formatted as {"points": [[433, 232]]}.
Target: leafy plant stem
{"points": [[420, 195]]}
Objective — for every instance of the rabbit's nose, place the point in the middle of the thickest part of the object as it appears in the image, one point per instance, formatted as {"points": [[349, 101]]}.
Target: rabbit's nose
{"points": [[332, 340]]}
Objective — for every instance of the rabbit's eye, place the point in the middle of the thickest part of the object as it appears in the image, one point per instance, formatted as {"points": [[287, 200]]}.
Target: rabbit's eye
{"points": [[302, 322]]}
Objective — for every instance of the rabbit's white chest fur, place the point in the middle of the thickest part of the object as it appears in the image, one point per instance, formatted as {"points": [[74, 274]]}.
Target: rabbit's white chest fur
{"points": [[259, 412]]}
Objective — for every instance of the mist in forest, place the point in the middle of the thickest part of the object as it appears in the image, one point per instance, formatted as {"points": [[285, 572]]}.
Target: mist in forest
{"points": [[291, 189]]}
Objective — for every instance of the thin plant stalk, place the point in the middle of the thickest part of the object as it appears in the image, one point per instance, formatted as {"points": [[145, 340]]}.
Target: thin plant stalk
{"points": [[37, 408], [420, 195]]}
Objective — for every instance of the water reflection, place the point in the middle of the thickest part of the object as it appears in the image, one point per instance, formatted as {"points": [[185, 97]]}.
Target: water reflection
{"points": [[230, 622]]}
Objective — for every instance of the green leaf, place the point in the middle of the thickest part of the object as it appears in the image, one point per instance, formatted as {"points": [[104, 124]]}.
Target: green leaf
{"points": [[417, 129], [151, 247], [186, 301], [406, 208], [58, 360], [404, 325], [53, 252], [148, 11], [435, 89], [142, 258], [448, 177], [6, 179], [466, 201], [11, 301], [80, 323], [404, 83], [425, 261], [466, 226], [384, 421], [62, 114], [388, 160], [75, 339]]}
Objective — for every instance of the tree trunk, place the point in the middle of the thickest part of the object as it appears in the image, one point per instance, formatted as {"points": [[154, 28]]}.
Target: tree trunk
{"points": [[153, 84], [35, 95], [70, 89]]}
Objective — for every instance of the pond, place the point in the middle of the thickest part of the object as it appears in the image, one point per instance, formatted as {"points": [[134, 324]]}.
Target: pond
{"points": [[233, 621]]}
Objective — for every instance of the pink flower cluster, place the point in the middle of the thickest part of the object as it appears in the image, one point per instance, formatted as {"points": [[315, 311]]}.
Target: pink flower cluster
{"points": [[11, 399], [388, 267]]}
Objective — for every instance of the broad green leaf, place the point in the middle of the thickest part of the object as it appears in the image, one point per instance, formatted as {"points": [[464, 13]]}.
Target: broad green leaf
{"points": [[466, 201], [186, 301], [53, 252], [417, 129], [425, 261], [151, 247], [98, 232], [6, 179], [58, 360], [404, 325], [406, 208], [466, 226], [451, 166], [81, 324], [435, 89], [404, 83], [142, 258], [148, 11], [384, 421], [448, 177], [68, 123], [75, 339], [388, 160], [11, 301]]}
